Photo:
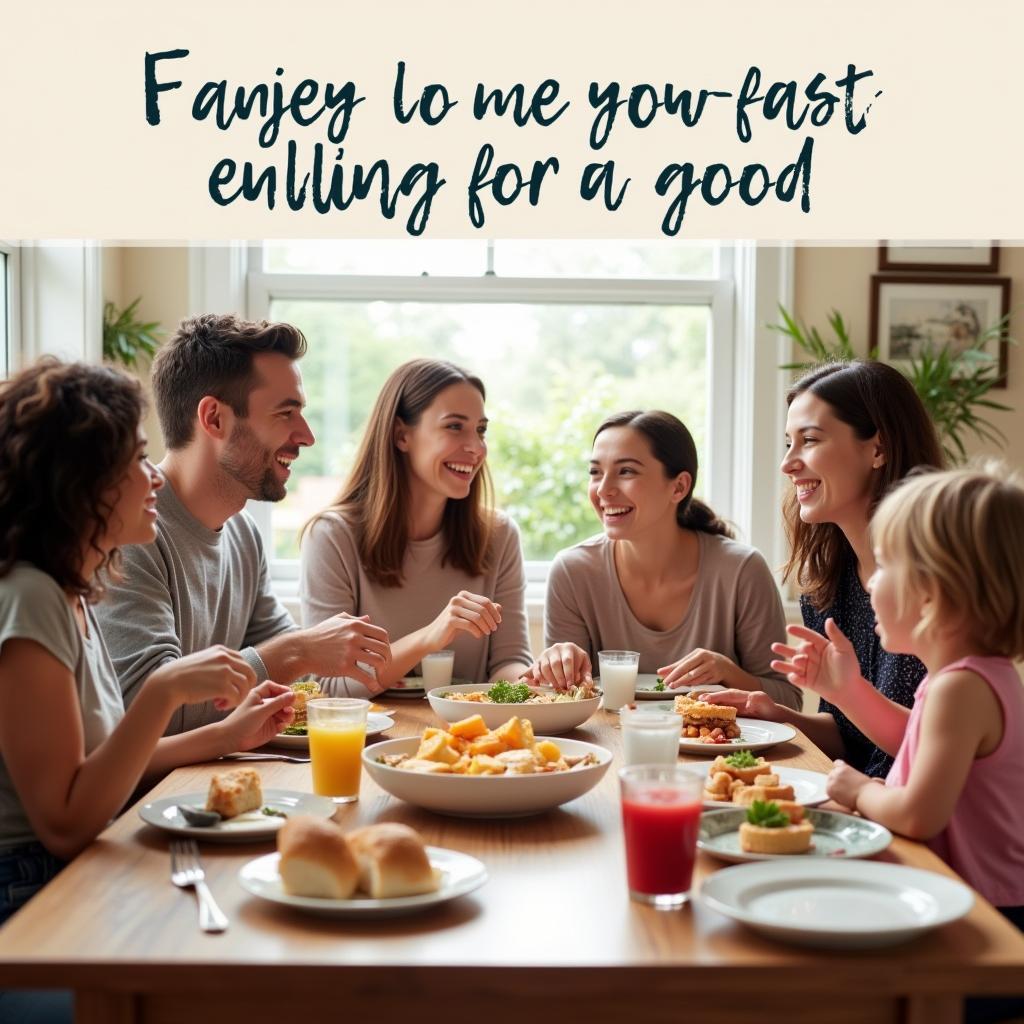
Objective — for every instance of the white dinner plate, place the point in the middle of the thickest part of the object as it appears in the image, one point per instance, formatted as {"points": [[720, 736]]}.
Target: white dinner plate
{"points": [[835, 835], [376, 723], [808, 787], [857, 904], [647, 681], [460, 874], [754, 735], [248, 827]]}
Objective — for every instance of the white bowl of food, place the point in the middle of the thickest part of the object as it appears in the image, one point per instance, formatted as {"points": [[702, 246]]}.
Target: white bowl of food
{"points": [[551, 713], [487, 796]]}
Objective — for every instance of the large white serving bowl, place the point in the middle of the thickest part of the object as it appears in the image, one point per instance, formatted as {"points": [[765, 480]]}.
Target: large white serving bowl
{"points": [[549, 719], [486, 796]]}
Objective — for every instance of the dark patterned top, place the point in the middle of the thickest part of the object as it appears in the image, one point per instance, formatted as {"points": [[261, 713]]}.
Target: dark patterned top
{"points": [[895, 676]]}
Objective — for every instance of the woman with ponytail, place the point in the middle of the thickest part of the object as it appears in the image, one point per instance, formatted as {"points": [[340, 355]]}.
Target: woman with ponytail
{"points": [[665, 578]]}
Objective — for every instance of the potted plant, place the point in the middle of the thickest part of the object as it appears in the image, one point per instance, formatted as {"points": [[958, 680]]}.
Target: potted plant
{"points": [[953, 386], [125, 337]]}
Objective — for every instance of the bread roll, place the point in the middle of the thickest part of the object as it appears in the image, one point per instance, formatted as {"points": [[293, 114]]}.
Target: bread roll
{"points": [[316, 859], [392, 861], [788, 839], [235, 792]]}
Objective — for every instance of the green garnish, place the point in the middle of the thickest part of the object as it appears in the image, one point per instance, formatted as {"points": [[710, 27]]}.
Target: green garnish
{"points": [[294, 730], [504, 692], [741, 759], [767, 814], [659, 684], [273, 812]]}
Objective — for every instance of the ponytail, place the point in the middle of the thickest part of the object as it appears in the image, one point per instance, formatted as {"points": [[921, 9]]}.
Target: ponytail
{"points": [[694, 514]]}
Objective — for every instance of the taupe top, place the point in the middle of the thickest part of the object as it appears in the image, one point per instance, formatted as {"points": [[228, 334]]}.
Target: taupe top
{"points": [[735, 610], [332, 580]]}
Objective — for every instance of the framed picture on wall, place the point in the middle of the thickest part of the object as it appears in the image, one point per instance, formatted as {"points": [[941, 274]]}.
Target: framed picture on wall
{"points": [[912, 312], [940, 257]]}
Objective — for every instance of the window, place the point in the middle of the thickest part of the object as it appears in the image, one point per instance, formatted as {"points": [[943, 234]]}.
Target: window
{"points": [[562, 334]]}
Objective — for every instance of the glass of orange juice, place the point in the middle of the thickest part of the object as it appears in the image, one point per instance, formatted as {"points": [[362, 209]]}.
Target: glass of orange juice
{"points": [[337, 731]]}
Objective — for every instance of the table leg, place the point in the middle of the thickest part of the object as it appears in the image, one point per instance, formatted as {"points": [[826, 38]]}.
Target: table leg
{"points": [[105, 1008], [933, 1010]]}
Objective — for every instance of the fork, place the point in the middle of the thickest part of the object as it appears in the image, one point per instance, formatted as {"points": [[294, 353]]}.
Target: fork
{"points": [[187, 873], [265, 757]]}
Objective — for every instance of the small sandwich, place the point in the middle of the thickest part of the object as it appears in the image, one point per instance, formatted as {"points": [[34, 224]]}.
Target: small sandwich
{"points": [[316, 859], [775, 828], [768, 790], [235, 792], [306, 690], [392, 861], [701, 719]]}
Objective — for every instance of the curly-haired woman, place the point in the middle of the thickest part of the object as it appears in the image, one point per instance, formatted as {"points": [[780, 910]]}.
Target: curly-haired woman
{"points": [[74, 485]]}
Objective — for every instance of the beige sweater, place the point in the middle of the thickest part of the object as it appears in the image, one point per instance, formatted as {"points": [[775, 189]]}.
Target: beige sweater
{"points": [[735, 610], [332, 580]]}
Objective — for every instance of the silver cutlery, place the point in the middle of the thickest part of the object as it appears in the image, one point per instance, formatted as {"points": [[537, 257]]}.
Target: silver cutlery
{"points": [[265, 757], [187, 873]]}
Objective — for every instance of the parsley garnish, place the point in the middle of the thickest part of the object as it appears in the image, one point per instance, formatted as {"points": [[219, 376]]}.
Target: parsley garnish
{"points": [[767, 815], [741, 759], [504, 692]]}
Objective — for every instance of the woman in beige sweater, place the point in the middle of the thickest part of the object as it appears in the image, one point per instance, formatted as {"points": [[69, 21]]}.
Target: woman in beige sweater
{"points": [[665, 578], [411, 540]]}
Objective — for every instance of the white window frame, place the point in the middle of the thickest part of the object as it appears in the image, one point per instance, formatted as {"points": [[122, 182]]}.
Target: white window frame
{"points": [[12, 311], [745, 388]]}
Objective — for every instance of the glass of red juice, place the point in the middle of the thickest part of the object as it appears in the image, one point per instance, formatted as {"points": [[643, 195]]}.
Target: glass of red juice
{"points": [[661, 807]]}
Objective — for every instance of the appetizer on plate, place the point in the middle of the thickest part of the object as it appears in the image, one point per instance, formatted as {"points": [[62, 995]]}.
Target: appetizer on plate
{"points": [[775, 828], [470, 748], [742, 778], [706, 722], [235, 792]]}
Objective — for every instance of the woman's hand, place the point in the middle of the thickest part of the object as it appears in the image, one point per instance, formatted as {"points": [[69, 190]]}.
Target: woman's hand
{"points": [[825, 664], [266, 710], [465, 613], [845, 783], [218, 674], [698, 667], [749, 704], [561, 666]]}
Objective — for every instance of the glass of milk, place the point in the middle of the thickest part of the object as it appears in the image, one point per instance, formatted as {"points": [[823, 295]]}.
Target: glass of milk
{"points": [[618, 671], [650, 736], [437, 669]]}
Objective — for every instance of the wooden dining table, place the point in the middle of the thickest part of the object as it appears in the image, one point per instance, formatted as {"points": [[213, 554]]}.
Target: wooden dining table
{"points": [[552, 936]]}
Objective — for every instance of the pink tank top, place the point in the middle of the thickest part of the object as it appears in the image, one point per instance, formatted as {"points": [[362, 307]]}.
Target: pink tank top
{"points": [[984, 840]]}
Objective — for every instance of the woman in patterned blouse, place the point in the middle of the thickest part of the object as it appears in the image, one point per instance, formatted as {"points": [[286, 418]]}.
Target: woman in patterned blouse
{"points": [[853, 430]]}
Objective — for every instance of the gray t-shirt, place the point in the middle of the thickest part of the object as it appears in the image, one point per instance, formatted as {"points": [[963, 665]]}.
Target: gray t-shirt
{"points": [[332, 580], [192, 588], [33, 607], [735, 610]]}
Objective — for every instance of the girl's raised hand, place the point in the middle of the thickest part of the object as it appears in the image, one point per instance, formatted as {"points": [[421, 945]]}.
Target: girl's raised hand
{"points": [[825, 664], [561, 666]]}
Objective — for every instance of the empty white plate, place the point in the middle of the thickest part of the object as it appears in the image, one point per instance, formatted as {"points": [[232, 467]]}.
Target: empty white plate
{"points": [[836, 903]]}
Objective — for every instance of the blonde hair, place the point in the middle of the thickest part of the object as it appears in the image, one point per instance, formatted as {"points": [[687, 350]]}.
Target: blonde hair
{"points": [[958, 537]]}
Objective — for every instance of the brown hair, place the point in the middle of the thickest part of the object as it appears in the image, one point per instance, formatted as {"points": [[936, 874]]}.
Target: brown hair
{"points": [[871, 398], [68, 433], [375, 498], [212, 354], [672, 445], [957, 537]]}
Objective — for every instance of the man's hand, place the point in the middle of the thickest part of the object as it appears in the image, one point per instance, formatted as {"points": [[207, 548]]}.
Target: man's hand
{"points": [[345, 645]]}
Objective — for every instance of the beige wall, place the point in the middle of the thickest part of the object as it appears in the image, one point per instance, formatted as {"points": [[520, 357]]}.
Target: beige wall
{"points": [[839, 277]]}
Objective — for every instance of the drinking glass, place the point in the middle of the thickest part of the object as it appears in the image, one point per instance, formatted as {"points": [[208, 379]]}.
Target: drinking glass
{"points": [[618, 671], [649, 736], [337, 732], [437, 669], [661, 807]]}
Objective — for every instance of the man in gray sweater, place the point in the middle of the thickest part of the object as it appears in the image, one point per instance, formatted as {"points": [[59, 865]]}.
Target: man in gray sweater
{"points": [[229, 396]]}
